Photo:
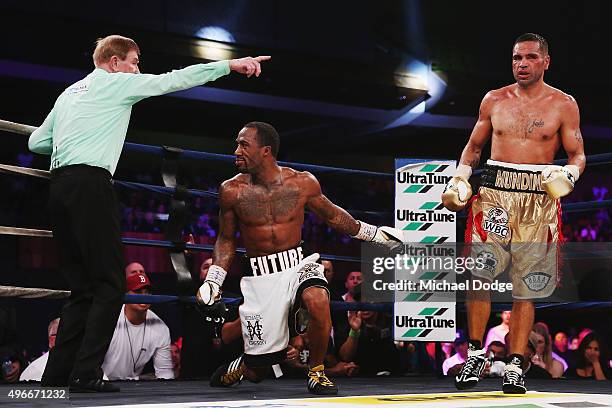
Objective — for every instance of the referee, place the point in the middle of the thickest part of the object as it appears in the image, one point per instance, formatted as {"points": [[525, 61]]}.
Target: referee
{"points": [[84, 134]]}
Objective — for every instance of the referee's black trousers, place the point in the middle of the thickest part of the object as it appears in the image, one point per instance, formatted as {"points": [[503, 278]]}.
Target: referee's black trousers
{"points": [[85, 220]]}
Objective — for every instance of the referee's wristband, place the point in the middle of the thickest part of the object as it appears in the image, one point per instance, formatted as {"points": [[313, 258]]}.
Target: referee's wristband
{"points": [[354, 334]]}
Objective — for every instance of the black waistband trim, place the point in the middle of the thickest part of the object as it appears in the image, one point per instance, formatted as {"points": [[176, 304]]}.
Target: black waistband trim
{"points": [[513, 180]]}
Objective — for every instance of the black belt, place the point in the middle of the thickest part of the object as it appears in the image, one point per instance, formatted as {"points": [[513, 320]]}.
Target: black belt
{"points": [[79, 169], [509, 179]]}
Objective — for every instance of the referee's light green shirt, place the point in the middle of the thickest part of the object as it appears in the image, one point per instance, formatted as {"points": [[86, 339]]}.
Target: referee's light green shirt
{"points": [[89, 120]]}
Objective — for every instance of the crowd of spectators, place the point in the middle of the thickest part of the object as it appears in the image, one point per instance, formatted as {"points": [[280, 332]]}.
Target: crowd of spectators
{"points": [[360, 344]]}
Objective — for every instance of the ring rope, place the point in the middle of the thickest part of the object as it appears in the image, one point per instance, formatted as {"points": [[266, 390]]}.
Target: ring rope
{"points": [[192, 154], [32, 293], [5, 230], [595, 159], [169, 191], [6, 168], [41, 293]]}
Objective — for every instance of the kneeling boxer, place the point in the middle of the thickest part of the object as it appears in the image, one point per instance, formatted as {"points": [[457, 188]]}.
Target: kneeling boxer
{"points": [[517, 211], [266, 204]]}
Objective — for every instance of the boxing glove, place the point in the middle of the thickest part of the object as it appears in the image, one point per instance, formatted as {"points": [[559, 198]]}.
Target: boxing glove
{"points": [[380, 235], [458, 190], [559, 181], [210, 291]]}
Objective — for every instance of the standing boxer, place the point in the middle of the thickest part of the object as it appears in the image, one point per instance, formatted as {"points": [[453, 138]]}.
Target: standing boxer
{"points": [[518, 201]]}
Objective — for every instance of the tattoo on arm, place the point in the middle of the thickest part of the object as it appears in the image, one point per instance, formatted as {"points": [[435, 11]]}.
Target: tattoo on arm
{"points": [[225, 246], [474, 162], [336, 217], [578, 135], [471, 155], [224, 252], [344, 222]]}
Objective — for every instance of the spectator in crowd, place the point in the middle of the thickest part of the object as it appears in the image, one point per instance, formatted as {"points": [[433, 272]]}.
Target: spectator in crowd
{"points": [[176, 347], [544, 353], [592, 361], [370, 344], [298, 365], [533, 365], [561, 348], [34, 371], [453, 364], [11, 355], [560, 344], [134, 268], [447, 348], [499, 332], [353, 279], [139, 336], [497, 350], [497, 353], [328, 270]]}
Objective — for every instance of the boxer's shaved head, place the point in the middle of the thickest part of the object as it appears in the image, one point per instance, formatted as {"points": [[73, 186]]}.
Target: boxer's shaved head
{"points": [[266, 136]]}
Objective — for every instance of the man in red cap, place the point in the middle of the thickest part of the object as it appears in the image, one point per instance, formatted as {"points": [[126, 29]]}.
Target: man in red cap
{"points": [[139, 336]]}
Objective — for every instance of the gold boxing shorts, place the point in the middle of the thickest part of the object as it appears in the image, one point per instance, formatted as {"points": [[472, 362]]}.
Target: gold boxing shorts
{"points": [[513, 223]]}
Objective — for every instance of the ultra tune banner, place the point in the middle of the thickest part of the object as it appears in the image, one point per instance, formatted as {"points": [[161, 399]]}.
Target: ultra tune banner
{"points": [[422, 314]]}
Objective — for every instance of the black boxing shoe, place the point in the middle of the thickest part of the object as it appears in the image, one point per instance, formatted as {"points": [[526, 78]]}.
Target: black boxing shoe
{"points": [[97, 385], [473, 368], [319, 384], [514, 379], [228, 374]]}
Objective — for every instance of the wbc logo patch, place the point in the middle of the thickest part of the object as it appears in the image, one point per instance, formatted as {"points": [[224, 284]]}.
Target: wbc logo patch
{"points": [[496, 222], [536, 281]]}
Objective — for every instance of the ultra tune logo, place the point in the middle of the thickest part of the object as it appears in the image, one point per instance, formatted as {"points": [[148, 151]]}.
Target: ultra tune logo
{"points": [[424, 179], [422, 219], [426, 321]]}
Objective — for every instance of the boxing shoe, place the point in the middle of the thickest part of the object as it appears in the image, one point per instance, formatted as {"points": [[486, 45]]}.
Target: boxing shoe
{"points": [[228, 374], [97, 385], [319, 384], [473, 368], [514, 379]]}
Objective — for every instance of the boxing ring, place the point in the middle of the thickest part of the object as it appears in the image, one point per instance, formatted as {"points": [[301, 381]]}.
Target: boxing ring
{"points": [[396, 391]]}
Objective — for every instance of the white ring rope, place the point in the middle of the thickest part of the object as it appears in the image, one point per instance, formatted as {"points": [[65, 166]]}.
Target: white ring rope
{"points": [[27, 232], [19, 128], [7, 168], [32, 293]]}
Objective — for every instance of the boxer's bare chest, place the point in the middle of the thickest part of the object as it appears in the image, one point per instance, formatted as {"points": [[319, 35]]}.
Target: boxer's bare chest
{"points": [[259, 205], [518, 121]]}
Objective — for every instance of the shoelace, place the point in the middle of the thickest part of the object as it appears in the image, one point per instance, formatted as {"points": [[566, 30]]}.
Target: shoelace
{"points": [[232, 376], [514, 377], [321, 378], [470, 364]]}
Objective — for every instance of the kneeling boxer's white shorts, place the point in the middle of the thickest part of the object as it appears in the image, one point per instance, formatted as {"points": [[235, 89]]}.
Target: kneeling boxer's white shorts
{"points": [[270, 298]]}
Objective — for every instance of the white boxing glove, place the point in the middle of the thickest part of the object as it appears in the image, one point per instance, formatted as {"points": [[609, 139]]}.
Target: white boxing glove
{"points": [[458, 190], [559, 181], [210, 291], [381, 235]]}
